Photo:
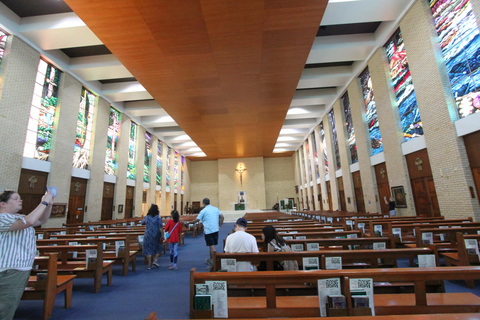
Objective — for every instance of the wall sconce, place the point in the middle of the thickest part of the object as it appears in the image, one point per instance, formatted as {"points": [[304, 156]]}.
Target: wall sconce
{"points": [[241, 169]]}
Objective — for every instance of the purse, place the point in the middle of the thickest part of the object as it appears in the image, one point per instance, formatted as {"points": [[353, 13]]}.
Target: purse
{"points": [[167, 234]]}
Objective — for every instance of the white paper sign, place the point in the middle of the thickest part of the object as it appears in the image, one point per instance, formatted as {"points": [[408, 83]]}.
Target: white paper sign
{"points": [[327, 287], [229, 264], [427, 238], [119, 246], [378, 229], [219, 297], [313, 247], [74, 254], [472, 247], [297, 247], [333, 263], [397, 233], [310, 263], [301, 237], [379, 245], [361, 226], [426, 261]]}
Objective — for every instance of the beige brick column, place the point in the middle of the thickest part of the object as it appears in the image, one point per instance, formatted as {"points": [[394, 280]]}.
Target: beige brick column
{"points": [[163, 203], [17, 80], [392, 136], [344, 155], [367, 173], [63, 142], [97, 161], [446, 151], [476, 10], [140, 161], [122, 164], [313, 169], [332, 167]]}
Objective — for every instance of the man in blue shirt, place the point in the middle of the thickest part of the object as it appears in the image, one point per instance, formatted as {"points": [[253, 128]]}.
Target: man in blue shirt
{"points": [[212, 220]]}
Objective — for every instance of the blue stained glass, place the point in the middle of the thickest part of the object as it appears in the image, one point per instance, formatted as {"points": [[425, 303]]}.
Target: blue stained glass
{"points": [[159, 163], [315, 155], [403, 87], [459, 38], [325, 155], [371, 113]]}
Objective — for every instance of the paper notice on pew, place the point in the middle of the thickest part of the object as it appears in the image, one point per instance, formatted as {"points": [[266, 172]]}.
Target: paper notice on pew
{"points": [[333, 263], [363, 287], [327, 287], [361, 226], [471, 245], [301, 237], [378, 229], [426, 261], [379, 245], [313, 246], [119, 248], [74, 254], [397, 233], [427, 238], [219, 296], [229, 264], [311, 263], [297, 247], [442, 235]]}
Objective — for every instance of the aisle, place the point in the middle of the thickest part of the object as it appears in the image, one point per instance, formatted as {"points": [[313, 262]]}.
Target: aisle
{"points": [[134, 296]]}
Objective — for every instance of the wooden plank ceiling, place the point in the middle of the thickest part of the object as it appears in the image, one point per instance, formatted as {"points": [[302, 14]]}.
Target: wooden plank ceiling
{"points": [[225, 70]]}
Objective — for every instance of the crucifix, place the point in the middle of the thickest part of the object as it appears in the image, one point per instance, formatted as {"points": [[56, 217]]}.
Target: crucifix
{"points": [[241, 170], [32, 181]]}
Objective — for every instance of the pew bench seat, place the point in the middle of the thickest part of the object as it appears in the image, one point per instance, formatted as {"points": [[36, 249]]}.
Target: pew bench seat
{"points": [[64, 283]]}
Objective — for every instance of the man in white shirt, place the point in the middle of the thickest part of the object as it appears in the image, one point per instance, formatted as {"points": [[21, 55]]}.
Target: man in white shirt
{"points": [[241, 242]]}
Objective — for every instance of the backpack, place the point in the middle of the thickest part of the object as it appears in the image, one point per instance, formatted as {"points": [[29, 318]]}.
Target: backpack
{"points": [[286, 264]]}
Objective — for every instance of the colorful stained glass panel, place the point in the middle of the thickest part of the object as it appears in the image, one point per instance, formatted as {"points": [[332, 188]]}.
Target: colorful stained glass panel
{"points": [[183, 170], [331, 117], [147, 157], [159, 163], [315, 156], [3, 43], [169, 158], [112, 141], [324, 145], [132, 152], [352, 142], [83, 138], [371, 112]]}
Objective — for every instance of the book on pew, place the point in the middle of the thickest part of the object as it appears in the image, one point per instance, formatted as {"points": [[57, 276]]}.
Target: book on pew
{"points": [[313, 246], [310, 263], [230, 265], [219, 298], [203, 302], [363, 287], [327, 287], [360, 301], [377, 229], [471, 245], [91, 259], [333, 263], [426, 261], [361, 226], [397, 235], [337, 301], [297, 247]]}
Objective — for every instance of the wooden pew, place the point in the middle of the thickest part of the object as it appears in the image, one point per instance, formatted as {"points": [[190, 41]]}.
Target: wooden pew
{"points": [[79, 268], [129, 256], [271, 305], [53, 285], [365, 258], [446, 316]]}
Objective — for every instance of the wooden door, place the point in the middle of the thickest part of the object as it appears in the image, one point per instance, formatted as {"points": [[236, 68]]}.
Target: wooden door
{"points": [[472, 145], [357, 186], [329, 195], [76, 200], [320, 198], [341, 193], [383, 186], [129, 202], [31, 188], [181, 204], [476, 178], [174, 201], [423, 186], [107, 201]]}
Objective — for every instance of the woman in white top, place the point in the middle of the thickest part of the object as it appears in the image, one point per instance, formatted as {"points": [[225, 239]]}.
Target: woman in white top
{"points": [[17, 247]]}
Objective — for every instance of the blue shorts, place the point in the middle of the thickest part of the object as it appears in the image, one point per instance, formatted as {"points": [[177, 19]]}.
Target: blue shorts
{"points": [[211, 239]]}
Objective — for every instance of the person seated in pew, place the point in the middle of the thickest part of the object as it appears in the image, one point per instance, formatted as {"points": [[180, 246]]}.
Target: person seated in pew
{"points": [[275, 243], [17, 247], [241, 242]]}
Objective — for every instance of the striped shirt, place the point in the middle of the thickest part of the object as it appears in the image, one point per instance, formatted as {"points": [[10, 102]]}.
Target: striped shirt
{"points": [[18, 247]]}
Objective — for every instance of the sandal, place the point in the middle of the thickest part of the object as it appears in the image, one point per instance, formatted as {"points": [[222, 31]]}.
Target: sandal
{"points": [[156, 264], [149, 268]]}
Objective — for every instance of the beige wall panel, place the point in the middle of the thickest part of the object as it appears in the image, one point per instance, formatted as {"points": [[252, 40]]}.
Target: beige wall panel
{"points": [[279, 180], [137, 211], [121, 187], [332, 167], [204, 181]]}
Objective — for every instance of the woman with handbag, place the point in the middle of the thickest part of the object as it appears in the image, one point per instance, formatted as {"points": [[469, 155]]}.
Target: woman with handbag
{"points": [[152, 240], [173, 228]]}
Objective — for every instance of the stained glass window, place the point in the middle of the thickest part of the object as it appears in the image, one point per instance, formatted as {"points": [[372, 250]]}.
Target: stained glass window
{"points": [[299, 161], [168, 166], [159, 163], [3, 43], [352, 142], [302, 165], [308, 169], [83, 138], [315, 155], [175, 170], [325, 155], [459, 37], [132, 152], [371, 112], [183, 170], [403, 86], [112, 141], [331, 117], [147, 158], [42, 112]]}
